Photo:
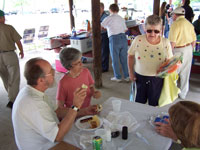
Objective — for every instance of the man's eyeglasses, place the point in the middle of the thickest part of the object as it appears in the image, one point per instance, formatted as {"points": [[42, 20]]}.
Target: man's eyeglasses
{"points": [[155, 31]]}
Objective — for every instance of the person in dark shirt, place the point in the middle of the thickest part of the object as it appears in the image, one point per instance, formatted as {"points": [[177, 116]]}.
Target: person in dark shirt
{"points": [[189, 14], [197, 26], [105, 51]]}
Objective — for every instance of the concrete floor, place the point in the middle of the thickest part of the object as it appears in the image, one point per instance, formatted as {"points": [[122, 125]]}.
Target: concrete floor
{"points": [[121, 90]]}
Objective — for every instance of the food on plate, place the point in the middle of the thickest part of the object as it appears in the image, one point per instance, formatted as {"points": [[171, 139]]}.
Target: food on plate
{"points": [[85, 120], [170, 66], [84, 86], [95, 122], [99, 107]]}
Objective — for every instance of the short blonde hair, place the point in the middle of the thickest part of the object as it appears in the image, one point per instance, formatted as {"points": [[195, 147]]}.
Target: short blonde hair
{"points": [[185, 122]]}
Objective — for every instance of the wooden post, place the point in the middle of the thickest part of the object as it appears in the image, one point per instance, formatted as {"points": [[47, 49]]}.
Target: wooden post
{"points": [[71, 14], [96, 42], [156, 7], [116, 2]]}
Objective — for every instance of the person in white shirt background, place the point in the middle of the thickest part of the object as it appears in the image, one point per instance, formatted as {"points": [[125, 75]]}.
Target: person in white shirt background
{"points": [[118, 43]]}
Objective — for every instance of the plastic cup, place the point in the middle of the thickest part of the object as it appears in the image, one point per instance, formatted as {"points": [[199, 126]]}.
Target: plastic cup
{"points": [[116, 105]]}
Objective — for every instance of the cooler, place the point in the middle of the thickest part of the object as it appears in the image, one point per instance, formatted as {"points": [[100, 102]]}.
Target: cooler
{"points": [[81, 42]]}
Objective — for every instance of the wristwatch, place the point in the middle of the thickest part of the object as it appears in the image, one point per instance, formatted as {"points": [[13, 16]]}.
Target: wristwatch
{"points": [[75, 108]]}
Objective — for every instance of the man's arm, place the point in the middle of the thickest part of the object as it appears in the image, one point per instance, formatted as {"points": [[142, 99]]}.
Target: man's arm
{"points": [[91, 110], [173, 44], [68, 120], [193, 44], [19, 45]]}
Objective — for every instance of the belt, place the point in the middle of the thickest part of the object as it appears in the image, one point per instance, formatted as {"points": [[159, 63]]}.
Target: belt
{"points": [[4, 51], [182, 46]]}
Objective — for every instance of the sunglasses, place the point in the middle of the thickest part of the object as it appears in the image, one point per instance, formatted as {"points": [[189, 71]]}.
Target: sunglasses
{"points": [[155, 31]]}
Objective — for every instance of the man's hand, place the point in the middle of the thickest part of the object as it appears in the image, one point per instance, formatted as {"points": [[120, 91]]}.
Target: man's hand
{"points": [[90, 110], [21, 54], [165, 130], [79, 97]]}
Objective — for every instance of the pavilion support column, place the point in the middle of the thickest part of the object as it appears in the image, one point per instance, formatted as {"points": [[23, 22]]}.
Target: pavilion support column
{"points": [[156, 7], [96, 42], [71, 13]]}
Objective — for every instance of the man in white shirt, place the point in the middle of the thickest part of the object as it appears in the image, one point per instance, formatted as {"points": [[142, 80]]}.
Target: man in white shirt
{"points": [[35, 118]]}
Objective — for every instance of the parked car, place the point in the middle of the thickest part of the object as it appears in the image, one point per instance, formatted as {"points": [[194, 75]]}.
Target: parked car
{"points": [[54, 10]]}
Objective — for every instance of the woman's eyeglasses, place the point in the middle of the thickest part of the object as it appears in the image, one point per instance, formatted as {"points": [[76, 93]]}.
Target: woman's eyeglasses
{"points": [[155, 31], [78, 63]]}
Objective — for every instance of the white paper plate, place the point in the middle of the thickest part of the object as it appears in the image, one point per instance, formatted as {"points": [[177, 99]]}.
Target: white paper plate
{"points": [[86, 126]]}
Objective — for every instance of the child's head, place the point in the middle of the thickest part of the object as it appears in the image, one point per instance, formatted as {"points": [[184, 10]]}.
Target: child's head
{"points": [[114, 8], [185, 122]]}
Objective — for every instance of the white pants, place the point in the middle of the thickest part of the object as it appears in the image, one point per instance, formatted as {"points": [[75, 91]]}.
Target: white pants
{"points": [[184, 70], [10, 73]]}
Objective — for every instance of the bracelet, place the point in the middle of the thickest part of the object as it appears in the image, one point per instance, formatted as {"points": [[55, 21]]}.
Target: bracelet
{"points": [[75, 108]]}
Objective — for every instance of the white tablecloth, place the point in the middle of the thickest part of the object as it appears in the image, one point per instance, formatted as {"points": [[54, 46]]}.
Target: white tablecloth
{"points": [[142, 113]]}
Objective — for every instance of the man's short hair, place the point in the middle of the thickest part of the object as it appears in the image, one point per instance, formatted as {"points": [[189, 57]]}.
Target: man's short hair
{"points": [[102, 5], [185, 122], [199, 17], [114, 8], [33, 71], [2, 14]]}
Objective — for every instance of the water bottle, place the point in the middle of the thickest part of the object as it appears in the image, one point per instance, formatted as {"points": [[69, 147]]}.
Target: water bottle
{"points": [[73, 32]]}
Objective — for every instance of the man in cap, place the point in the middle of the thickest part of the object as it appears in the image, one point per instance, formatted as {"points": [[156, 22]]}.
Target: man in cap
{"points": [[9, 63], [183, 38]]}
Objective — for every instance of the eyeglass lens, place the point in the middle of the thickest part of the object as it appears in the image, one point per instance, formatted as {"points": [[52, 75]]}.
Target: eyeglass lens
{"points": [[155, 31]]}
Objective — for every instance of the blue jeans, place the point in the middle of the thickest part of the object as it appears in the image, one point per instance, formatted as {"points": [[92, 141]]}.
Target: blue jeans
{"points": [[118, 51]]}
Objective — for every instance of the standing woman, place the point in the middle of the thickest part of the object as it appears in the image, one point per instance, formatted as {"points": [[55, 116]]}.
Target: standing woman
{"points": [[118, 43], [145, 55], [163, 15]]}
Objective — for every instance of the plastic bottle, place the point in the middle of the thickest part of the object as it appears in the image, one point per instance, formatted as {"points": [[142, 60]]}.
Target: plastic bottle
{"points": [[88, 26], [73, 31]]}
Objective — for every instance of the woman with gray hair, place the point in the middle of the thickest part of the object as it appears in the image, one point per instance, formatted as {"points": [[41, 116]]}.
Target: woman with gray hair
{"points": [[77, 76], [146, 54]]}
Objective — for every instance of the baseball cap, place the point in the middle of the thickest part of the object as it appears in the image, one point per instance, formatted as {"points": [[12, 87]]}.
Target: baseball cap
{"points": [[2, 14], [179, 10]]}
